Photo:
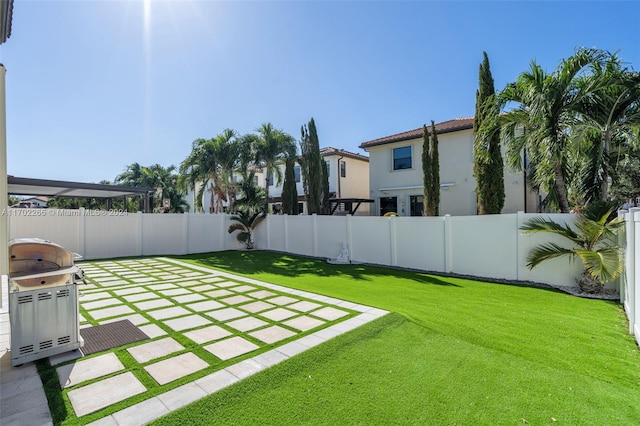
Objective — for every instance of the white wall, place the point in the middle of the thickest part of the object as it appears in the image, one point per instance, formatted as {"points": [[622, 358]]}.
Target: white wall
{"points": [[630, 282]]}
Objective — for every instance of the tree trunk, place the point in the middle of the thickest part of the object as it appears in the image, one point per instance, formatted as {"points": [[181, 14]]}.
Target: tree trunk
{"points": [[266, 192], [604, 185], [561, 187]]}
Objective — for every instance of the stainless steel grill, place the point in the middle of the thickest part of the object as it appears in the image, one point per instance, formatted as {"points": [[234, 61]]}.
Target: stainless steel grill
{"points": [[43, 300]]}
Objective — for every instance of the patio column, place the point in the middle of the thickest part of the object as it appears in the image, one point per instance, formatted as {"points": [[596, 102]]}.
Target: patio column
{"points": [[4, 189]]}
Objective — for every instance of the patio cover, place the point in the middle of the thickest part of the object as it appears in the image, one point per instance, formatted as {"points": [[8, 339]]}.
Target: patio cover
{"points": [[52, 188]]}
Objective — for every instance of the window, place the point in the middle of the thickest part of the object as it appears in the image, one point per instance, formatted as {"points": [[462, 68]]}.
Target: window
{"points": [[388, 205], [343, 169], [402, 158], [328, 168], [255, 180], [270, 179], [300, 208], [417, 205], [296, 172]]}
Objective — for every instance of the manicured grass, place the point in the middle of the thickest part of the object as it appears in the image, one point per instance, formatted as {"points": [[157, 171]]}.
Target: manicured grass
{"points": [[455, 352]]}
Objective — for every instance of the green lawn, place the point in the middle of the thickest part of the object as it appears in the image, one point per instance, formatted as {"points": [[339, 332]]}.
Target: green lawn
{"points": [[454, 351]]}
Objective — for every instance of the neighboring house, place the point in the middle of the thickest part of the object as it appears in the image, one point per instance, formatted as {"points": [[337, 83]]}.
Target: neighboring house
{"points": [[32, 203], [396, 178], [348, 182]]}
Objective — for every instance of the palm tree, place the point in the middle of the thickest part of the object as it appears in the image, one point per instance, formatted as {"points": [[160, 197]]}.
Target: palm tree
{"points": [[201, 169], [271, 147], [164, 180], [595, 244], [246, 223], [607, 116], [546, 107]]}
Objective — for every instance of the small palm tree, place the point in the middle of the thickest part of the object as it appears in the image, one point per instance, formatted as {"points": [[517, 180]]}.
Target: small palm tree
{"points": [[246, 223], [595, 244]]}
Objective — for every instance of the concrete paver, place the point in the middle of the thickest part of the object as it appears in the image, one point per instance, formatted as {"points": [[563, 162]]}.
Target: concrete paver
{"points": [[135, 319], [272, 334], [110, 312], [218, 293], [328, 313], [246, 324], [64, 357], [98, 395], [152, 330], [171, 369], [141, 413], [156, 349], [303, 323], [207, 334], [304, 306], [189, 298], [282, 300], [278, 314], [152, 304], [226, 314], [231, 348], [261, 294], [175, 311], [256, 306], [235, 300], [140, 296], [185, 323], [92, 368], [204, 306]]}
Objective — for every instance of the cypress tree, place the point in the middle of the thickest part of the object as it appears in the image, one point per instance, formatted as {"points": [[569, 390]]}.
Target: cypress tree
{"points": [[426, 171], [326, 204], [488, 167], [435, 172], [289, 190], [311, 164]]}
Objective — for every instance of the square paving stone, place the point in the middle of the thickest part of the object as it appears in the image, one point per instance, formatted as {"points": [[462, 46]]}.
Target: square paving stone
{"points": [[192, 274], [226, 283], [87, 369], [234, 300], [111, 312], [189, 283], [261, 294], [114, 283], [152, 350], [219, 293], [246, 324], [152, 330], [204, 306], [188, 298], [243, 288], [140, 296], [65, 356], [282, 300], [169, 276], [184, 323], [205, 287], [303, 323], [304, 306], [278, 314], [131, 290], [176, 311], [207, 334], [329, 313], [231, 348], [256, 306], [96, 304], [176, 367], [104, 393], [226, 314], [90, 297], [211, 279], [272, 334], [162, 286], [134, 319], [143, 280], [152, 304], [176, 291]]}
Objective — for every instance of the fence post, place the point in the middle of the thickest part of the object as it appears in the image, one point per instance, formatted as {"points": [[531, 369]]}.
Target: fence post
{"points": [[634, 296], [519, 221], [350, 237], [314, 233], [448, 249], [630, 270], [286, 233], [268, 232], [392, 240]]}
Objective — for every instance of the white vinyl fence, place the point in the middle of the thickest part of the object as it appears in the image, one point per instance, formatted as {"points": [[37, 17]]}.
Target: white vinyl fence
{"points": [[491, 247], [630, 287]]}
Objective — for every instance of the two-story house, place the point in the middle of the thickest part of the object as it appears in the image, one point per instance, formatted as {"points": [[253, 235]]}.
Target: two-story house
{"points": [[396, 178]]}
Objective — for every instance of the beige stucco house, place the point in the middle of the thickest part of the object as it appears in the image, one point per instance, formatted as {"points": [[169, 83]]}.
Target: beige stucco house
{"points": [[396, 179]]}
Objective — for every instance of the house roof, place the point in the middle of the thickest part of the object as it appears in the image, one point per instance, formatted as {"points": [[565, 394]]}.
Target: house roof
{"points": [[329, 150], [454, 125], [6, 15]]}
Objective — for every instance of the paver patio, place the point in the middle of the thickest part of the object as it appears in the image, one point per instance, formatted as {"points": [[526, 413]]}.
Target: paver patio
{"points": [[227, 316]]}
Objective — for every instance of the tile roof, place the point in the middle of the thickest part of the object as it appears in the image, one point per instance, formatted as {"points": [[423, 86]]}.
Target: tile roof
{"points": [[454, 125], [6, 15], [329, 150]]}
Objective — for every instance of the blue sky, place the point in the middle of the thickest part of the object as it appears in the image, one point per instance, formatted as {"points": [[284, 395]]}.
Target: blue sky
{"points": [[93, 86]]}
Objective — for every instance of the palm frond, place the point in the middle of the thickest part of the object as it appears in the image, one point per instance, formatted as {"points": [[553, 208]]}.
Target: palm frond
{"points": [[546, 251]]}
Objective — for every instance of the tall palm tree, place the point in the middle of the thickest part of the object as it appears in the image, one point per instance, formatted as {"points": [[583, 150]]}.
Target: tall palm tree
{"points": [[607, 116], [271, 147], [546, 107]]}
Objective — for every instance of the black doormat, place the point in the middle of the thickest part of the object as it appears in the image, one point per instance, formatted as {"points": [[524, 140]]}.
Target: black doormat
{"points": [[108, 336]]}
